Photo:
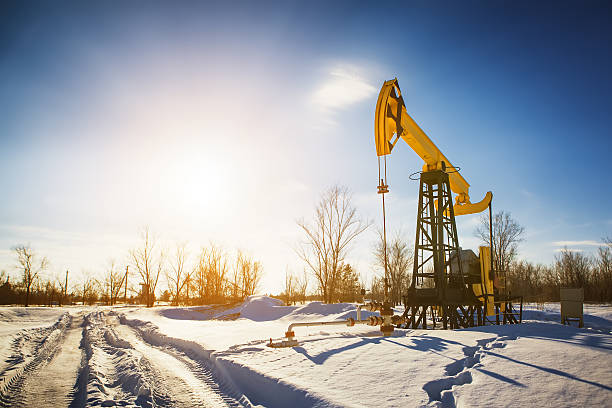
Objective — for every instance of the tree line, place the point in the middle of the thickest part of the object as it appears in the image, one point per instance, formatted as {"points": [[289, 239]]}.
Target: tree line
{"points": [[327, 239], [541, 283], [213, 276]]}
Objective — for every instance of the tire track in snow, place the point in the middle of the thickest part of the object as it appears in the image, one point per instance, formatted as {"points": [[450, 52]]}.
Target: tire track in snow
{"points": [[230, 378], [112, 373], [52, 385], [192, 384], [120, 368], [459, 372], [32, 348]]}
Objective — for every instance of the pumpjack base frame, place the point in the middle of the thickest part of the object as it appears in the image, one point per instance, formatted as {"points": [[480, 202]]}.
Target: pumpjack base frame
{"points": [[505, 310], [451, 300], [458, 315]]}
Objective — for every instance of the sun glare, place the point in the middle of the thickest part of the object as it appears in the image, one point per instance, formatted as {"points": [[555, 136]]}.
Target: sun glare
{"points": [[199, 187]]}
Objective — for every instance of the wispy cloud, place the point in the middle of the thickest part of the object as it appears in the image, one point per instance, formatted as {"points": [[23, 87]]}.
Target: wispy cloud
{"points": [[342, 88], [576, 243], [568, 249]]}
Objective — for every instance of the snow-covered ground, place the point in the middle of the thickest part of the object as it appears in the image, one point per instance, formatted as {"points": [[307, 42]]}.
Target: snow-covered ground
{"points": [[215, 356]]}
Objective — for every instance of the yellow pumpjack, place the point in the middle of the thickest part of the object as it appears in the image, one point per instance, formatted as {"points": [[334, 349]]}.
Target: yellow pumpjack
{"points": [[436, 241], [465, 289]]}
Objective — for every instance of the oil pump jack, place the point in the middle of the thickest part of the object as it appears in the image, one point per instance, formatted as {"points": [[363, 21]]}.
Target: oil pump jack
{"points": [[458, 287]]}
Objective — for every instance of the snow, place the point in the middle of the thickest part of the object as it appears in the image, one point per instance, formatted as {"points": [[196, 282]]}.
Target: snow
{"points": [[217, 356], [552, 364], [15, 319]]}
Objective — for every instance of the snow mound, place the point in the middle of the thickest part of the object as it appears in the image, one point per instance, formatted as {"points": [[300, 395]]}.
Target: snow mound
{"points": [[598, 317], [337, 311], [28, 317], [187, 313], [259, 309], [323, 309], [263, 308]]}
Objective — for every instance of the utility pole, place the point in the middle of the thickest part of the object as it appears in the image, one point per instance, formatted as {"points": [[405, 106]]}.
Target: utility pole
{"points": [[126, 278]]}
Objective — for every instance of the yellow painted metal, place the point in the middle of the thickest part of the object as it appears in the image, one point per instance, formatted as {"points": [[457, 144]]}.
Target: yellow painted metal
{"points": [[392, 122], [473, 208], [487, 282]]}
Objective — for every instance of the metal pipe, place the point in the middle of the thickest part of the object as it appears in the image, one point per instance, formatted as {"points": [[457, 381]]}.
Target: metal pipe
{"points": [[491, 231], [348, 322], [492, 271], [372, 306], [306, 324], [332, 323], [359, 311]]}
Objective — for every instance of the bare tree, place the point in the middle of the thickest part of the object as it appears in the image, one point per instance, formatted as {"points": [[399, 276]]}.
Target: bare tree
{"points": [[250, 274], [289, 292], [603, 268], [200, 278], [302, 286], [210, 275], [328, 238], [573, 268], [190, 286], [50, 292], [527, 279], [62, 282], [89, 292], [149, 262], [235, 282], [507, 233], [113, 281], [30, 267], [177, 276], [399, 259], [377, 289], [217, 271]]}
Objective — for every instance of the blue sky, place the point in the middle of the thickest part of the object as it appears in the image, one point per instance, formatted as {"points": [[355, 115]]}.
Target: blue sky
{"points": [[225, 120]]}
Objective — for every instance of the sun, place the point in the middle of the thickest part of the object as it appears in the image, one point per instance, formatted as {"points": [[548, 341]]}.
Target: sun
{"points": [[198, 186]]}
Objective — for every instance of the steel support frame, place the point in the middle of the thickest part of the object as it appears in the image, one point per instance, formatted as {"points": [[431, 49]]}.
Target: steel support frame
{"points": [[450, 299]]}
